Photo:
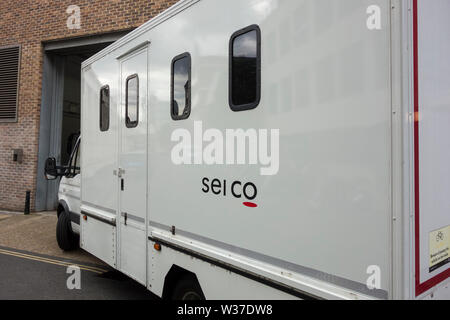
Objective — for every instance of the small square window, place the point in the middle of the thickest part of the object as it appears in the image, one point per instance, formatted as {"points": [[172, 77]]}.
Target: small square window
{"points": [[180, 106], [245, 69], [132, 101], [104, 108]]}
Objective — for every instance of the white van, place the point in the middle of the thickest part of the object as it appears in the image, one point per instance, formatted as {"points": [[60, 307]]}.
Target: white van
{"points": [[272, 149]]}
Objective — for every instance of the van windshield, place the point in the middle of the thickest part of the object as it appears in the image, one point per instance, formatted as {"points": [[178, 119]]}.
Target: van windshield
{"points": [[74, 163]]}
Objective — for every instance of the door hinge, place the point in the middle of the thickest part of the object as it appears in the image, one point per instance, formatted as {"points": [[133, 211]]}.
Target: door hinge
{"points": [[120, 173], [125, 217], [122, 184]]}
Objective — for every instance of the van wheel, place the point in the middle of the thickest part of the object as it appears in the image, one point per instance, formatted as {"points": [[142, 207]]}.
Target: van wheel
{"points": [[188, 288], [67, 240]]}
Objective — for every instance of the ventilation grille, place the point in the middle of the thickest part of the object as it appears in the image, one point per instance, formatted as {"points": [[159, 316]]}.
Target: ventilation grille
{"points": [[9, 75]]}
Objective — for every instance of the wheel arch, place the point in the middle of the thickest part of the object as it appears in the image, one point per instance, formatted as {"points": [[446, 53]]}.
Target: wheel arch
{"points": [[175, 274], [62, 206]]}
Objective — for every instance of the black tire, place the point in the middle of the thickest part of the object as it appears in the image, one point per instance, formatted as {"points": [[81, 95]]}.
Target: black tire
{"points": [[188, 288], [67, 240]]}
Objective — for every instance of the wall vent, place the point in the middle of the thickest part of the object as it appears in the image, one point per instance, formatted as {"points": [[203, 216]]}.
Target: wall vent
{"points": [[9, 83]]}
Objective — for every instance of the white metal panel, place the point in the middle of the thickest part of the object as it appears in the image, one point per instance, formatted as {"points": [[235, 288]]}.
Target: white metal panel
{"points": [[99, 157], [133, 166], [99, 239], [216, 283], [98, 163], [133, 253], [70, 192]]}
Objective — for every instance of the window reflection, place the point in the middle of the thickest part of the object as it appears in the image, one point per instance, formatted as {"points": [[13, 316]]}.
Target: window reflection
{"points": [[104, 109], [132, 108], [181, 87], [245, 69]]}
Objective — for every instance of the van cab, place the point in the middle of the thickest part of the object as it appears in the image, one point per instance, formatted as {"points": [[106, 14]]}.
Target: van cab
{"points": [[69, 198]]}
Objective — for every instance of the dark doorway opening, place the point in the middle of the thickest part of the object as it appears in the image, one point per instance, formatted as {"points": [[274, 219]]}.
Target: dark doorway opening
{"points": [[61, 106]]}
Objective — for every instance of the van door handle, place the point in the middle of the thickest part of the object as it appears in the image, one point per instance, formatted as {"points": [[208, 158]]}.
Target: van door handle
{"points": [[125, 217]]}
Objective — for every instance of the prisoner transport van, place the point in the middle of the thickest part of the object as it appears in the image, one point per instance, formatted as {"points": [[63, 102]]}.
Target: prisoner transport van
{"points": [[272, 149]]}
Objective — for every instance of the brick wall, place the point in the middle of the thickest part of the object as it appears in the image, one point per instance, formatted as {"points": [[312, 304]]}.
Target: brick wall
{"points": [[29, 23]]}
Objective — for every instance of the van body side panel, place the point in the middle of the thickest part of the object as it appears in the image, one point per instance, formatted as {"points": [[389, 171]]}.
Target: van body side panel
{"points": [[326, 214], [324, 221]]}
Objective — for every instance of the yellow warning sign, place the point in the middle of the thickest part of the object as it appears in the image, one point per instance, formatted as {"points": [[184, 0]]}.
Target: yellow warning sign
{"points": [[439, 248]]}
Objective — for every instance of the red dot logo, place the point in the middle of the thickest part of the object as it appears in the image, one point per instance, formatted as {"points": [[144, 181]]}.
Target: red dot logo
{"points": [[250, 205]]}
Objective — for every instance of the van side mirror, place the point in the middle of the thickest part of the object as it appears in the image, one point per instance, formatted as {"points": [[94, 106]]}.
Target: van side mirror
{"points": [[51, 171]]}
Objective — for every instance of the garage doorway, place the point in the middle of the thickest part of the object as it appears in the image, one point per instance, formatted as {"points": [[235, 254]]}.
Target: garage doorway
{"points": [[60, 106]]}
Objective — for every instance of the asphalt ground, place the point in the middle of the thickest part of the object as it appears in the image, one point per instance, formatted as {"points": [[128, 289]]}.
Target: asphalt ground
{"points": [[32, 267]]}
